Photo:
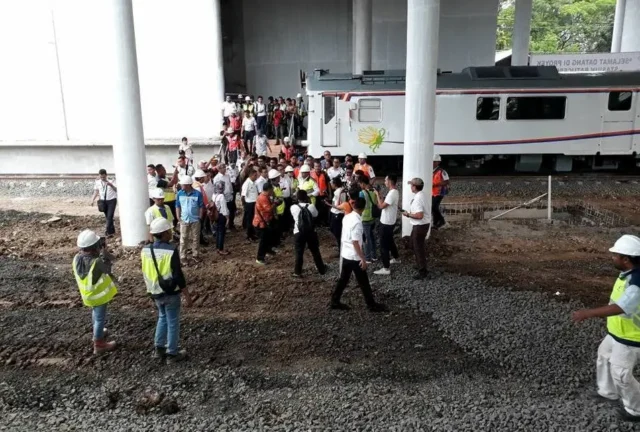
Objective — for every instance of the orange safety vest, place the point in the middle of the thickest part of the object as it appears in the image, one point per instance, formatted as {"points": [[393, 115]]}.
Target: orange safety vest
{"points": [[364, 168], [438, 189], [321, 181]]}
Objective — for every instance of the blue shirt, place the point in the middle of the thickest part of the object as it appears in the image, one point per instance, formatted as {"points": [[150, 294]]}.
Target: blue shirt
{"points": [[189, 205]]}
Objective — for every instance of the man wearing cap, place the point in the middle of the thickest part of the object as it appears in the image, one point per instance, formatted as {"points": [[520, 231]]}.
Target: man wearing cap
{"points": [[165, 283], [190, 209], [438, 191], [248, 106], [92, 270], [287, 186], [228, 108], [420, 218], [619, 351], [307, 184], [198, 184], [223, 177], [158, 209], [363, 166]]}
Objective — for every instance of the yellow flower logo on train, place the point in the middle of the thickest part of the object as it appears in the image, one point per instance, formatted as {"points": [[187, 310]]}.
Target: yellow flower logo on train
{"points": [[372, 137]]}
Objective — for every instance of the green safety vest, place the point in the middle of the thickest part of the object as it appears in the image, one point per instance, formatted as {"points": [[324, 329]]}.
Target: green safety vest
{"points": [[94, 295], [163, 258], [308, 186], [367, 213], [277, 192], [619, 326], [155, 210]]}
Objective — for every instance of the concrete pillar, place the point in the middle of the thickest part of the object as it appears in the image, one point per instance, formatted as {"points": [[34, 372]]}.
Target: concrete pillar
{"points": [[618, 24], [423, 20], [128, 136], [214, 46], [631, 27], [521, 33], [362, 21]]}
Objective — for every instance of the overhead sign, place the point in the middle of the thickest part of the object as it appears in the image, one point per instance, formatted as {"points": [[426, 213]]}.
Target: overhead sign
{"points": [[585, 63]]}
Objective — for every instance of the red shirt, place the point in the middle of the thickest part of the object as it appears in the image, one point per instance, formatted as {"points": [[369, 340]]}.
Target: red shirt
{"points": [[277, 118], [287, 151], [264, 211], [235, 123], [234, 142]]}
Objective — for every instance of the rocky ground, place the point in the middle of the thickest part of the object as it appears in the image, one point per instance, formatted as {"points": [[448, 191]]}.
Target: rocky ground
{"points": [[484, 345]]}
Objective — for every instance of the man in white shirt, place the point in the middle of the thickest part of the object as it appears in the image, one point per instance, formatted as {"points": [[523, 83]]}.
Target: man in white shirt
{"points": [[304, 233], [286, 185], [388, 217], [220, 202], [184, 168], [249, 127], [353, 260], [249, 196], [106, 191], [228, 108], [260, 110], [152, 181], [225, 178], [260, 181], [261, 143], [335, 170], [420, 218]]}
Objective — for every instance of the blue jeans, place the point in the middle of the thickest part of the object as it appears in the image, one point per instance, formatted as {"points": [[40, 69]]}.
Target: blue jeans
{"points": [[168, 327], [99, 317], [370, 240]]}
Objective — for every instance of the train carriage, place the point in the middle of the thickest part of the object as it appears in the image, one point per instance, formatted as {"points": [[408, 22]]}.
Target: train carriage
{"points": [[528, 117]]}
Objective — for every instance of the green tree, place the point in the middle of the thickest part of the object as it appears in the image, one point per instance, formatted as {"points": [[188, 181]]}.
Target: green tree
{"points": [[562, 25]]}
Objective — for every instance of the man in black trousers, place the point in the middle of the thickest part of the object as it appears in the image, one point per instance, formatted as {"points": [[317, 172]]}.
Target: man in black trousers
{"points": [[353, 260], [305, 234]]}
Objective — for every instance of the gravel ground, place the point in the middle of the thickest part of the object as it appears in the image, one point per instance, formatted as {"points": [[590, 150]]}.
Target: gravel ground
{"points": [[524, 367], [461, 187]]}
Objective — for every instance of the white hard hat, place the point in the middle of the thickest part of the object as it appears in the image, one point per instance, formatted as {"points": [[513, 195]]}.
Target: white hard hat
{"points": [[437, 158], [239, 96], [273, 174], [627, 245], [248, 98], [305, 169], [87, 238], [298, 95], [287, 139], [199, 173], [289, 168], [186, 180], [229, 130], [159, 225], [362, 156], [157, 193]]}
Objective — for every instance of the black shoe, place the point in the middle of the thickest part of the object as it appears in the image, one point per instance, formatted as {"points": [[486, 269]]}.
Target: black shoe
{"points": [[378, 307], [204, 243], [339, 306], [159, 353], [176, 358], [595, 396], [624, 415], [323, 271], [421, 276]]}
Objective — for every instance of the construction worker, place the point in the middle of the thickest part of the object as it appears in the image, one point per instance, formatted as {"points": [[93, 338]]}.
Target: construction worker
{"points": [[190, 209], [92, 270], [306, 183], [158, 210], [620, 349], [438, 191], [420, 220], [165, 282], [363, 166]]}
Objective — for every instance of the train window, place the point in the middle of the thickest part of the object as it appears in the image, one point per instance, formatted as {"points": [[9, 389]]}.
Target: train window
{"points": [[620, 101], [488, 108], [329, 108], [536, 108], [369, 110]]}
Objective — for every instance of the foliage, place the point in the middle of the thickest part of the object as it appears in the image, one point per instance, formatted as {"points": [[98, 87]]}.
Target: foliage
{"points": [[562, 25]]}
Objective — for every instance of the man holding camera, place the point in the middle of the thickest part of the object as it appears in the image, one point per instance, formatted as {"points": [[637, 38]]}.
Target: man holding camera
{"points": [[165, 283], [92, 270]]}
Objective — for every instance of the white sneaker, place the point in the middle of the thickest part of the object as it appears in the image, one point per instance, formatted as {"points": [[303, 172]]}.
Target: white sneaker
{"points": [[394, 261], [382, 271], [369, 262]]}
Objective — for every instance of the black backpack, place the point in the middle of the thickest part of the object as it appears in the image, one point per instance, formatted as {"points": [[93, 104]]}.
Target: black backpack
{"points": [[305, 220]]}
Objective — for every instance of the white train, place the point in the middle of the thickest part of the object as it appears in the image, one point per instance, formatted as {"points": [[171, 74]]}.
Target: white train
{"points": [[530, 118]]}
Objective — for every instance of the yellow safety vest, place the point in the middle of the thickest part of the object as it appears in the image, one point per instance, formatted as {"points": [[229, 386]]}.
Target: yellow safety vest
{"points": [[163, 258], [308, 186], [277, 192], [169, 193], [155, 210], [619, 326], [94, 295]]}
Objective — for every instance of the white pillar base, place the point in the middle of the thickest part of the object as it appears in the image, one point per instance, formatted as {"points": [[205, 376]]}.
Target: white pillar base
{"points": [[362, 22]]}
